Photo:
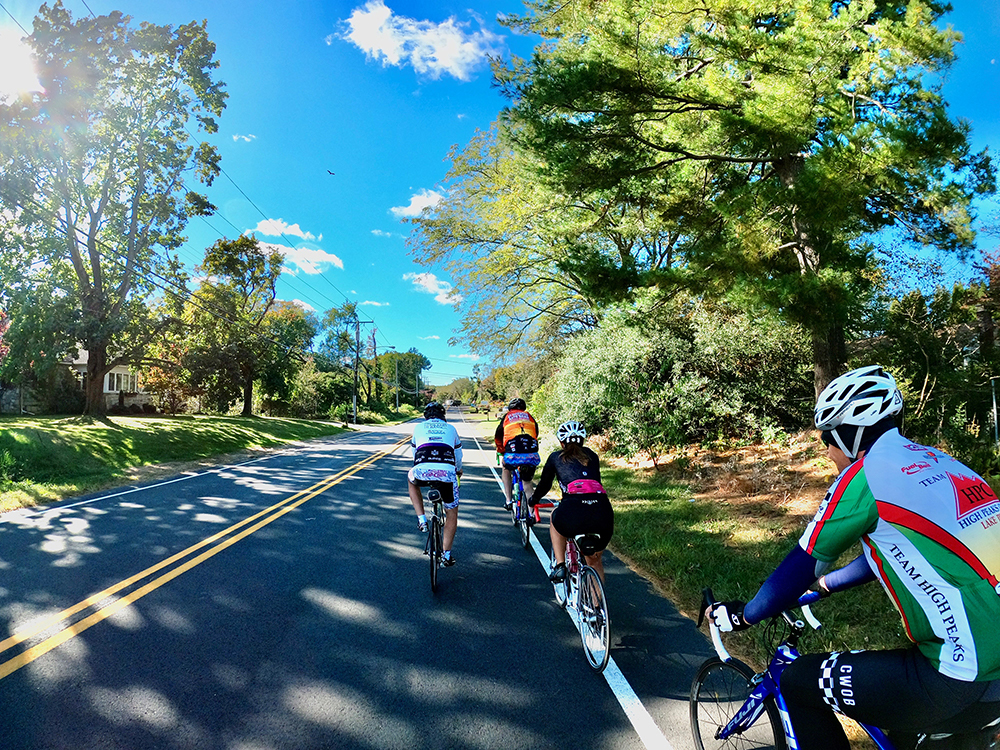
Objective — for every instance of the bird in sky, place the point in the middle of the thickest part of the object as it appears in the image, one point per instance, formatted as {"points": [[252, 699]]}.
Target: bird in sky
{"points": [[329, 172]]}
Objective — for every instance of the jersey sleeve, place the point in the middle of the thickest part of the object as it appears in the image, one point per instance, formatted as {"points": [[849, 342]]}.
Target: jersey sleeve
{"points": [[544, 483], [458, 452], [847, 513]]}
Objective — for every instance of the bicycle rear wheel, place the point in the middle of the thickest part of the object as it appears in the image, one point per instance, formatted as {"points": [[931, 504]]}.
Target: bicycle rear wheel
{"points": [[515, 497], [718, 693], [522, 520], [434, 550], [595, 624], [561, 588]]}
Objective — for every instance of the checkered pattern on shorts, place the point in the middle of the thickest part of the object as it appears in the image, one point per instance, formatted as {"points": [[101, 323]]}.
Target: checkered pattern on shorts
{"points": [[826, 681]]}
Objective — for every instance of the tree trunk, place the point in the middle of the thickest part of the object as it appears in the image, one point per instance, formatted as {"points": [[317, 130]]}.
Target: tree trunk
{"points": [[97, 357], [829, 355], [248, 397]]}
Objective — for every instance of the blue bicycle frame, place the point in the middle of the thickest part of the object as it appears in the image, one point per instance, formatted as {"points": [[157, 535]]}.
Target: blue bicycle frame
{"points": [[767, 683]]}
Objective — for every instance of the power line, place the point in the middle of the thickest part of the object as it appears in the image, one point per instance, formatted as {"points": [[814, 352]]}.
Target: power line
{"points": [[288, 242], [26, 32]]}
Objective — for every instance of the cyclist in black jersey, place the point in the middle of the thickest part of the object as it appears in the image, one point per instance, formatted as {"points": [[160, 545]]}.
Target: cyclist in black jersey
{"points": [[585, 507]]}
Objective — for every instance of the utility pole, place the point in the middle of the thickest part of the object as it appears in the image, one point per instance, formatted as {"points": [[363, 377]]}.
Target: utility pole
{"points": [[357, 361], [395, 359]]}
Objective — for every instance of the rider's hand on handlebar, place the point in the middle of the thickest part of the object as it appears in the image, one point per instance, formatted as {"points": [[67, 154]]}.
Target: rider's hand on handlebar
{"points": [[728, 616]]}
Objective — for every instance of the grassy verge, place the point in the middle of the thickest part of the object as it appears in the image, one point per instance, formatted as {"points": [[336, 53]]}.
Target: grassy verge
{"points": [[683, 545], [45, 459]]}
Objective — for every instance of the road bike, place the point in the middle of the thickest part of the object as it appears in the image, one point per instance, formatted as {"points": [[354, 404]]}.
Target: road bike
{"points": [[733, 707], [435, 535], [583, 594], [520, 513]]}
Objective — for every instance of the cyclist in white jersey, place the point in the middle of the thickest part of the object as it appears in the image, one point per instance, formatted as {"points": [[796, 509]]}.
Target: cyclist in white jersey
{"points": [[437, 462], [929, 529]]}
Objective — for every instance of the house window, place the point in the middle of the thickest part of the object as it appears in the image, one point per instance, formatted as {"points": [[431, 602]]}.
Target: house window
{"points": [[123, 381]]}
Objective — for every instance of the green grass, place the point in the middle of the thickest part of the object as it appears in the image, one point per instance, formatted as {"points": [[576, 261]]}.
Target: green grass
{"points": [[45, 459], [684, 546]]}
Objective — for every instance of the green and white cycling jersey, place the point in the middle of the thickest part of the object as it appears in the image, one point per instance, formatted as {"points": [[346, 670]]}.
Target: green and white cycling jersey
{"points": [[930, 530]]}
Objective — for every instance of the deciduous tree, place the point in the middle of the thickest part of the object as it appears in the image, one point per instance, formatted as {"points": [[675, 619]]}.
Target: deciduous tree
{"points": [[229, 324], [98, 161]]}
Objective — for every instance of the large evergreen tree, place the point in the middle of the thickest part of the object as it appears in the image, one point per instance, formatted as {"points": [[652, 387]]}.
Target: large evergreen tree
{"points": [[777, 137]]}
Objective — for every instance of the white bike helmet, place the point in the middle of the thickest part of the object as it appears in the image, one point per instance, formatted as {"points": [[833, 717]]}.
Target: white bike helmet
{"points": [[571, 432], [857, 399]]}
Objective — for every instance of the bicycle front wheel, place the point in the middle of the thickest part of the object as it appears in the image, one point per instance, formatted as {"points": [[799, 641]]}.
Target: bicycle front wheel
{"points": [[595, 625], [719, 691], [434, 550]]}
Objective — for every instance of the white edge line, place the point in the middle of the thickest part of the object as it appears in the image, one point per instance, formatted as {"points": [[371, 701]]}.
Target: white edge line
{"points": [[649, 733]]}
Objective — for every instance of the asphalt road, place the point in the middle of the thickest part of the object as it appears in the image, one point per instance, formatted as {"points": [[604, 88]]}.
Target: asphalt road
{"points": [[285, 603]]}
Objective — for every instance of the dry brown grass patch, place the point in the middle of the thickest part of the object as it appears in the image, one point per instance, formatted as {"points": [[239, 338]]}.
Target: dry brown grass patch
{"points": [[785, 480]]}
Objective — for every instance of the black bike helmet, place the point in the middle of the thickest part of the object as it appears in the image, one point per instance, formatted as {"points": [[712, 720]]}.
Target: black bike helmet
{"points": [[433, 410], [517, 404]]}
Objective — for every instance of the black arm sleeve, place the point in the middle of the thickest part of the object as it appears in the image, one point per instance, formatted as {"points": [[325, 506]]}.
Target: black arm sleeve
{"points": [[544, 483]]}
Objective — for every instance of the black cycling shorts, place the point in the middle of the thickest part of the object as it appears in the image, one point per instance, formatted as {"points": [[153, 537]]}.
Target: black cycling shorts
{"points": [[585, 514], [447, 490], [899, 691]]}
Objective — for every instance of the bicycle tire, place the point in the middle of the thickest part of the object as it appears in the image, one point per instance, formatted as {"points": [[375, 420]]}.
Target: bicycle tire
{"points": [[561, 588], [595, 623], [434, 551], [718, 692], [515, 498], [522, 520]]}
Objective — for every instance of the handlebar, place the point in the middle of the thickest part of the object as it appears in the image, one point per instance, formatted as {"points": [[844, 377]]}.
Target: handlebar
{"points": [[709, 602]]}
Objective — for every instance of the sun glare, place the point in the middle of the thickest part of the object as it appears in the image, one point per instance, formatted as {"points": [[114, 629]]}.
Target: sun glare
{"points": [[17, 72]]}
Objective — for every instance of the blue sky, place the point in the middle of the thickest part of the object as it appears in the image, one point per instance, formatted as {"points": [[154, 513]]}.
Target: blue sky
{"points": [[377, 92]]}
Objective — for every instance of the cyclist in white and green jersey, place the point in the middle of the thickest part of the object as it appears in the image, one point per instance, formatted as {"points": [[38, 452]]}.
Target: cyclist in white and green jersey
{"points": [[929, 529]]}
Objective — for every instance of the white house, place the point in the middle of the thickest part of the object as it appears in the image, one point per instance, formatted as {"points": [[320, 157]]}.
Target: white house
{"points": [[121, 385]]}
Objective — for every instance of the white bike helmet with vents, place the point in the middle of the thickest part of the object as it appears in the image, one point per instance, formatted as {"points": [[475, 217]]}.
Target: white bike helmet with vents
{"points": [[858, 399], [571, 432]]}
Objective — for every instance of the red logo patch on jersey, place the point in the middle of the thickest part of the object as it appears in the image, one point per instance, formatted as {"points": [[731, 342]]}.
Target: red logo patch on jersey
{"points": [[915, 468], [971, 494]]}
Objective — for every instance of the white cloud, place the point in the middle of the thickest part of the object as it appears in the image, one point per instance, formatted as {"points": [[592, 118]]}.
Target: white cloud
{"points": [[308, 260], [278, 227], [429, 338], [424, 199], [442, 290], [304, 305], [381, 233], [244, 138], [433, 49], [473, 357], [370, 303]]}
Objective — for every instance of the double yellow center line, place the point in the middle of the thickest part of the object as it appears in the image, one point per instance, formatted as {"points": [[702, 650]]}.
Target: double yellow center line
{"points": [[221, 541]]}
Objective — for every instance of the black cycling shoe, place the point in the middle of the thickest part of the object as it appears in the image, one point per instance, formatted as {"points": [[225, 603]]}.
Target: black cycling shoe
{"points": [[447, 562], [559, 573]]}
